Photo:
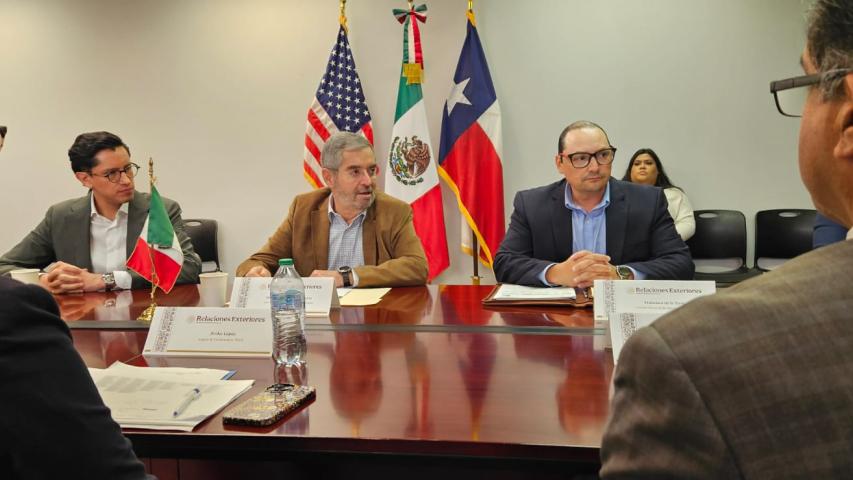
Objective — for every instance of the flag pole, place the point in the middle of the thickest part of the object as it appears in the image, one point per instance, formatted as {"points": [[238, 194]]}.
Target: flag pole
{"points": [[343, 17], [148, 314], [475, 254], [475, 246]]}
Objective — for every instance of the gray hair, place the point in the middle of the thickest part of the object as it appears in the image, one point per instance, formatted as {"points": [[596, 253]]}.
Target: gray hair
{"points": [[830, 42], [580, 124], [333, 150]]}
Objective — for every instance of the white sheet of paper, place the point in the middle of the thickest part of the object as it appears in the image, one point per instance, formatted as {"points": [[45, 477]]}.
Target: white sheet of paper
{"points": [[210, 332], [624, 324], [147, 397], [646, 295], [254, 292], [508, 291], [360, 297], [195, 374]]}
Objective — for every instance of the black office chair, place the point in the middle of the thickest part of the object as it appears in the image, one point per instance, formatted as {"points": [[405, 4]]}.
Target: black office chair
{"points": [[781, 235], [719, 247], [202, 233]]}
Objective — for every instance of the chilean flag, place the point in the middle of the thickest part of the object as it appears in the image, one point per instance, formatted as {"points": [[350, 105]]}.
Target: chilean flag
{"points": [[470, 153]]}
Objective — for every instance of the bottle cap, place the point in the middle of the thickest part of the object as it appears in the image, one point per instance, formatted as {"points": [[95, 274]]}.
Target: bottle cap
{"points": [[285, 262]]}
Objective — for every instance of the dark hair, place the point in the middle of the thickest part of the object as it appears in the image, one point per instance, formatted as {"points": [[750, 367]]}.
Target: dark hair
{"points": [[87, 145], [662, 180], [830, 42], [3, 131], [577, 126]]}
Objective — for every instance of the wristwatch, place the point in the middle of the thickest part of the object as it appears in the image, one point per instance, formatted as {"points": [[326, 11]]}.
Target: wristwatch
{"points": [[624, 272], [346, 273], [109, 281]]}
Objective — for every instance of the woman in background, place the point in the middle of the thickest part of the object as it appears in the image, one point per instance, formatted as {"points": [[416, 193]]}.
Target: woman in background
{"points": [[645, 168]]}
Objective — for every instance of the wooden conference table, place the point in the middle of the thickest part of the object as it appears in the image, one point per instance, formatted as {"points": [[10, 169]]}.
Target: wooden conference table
{"points": [[426, 382]]}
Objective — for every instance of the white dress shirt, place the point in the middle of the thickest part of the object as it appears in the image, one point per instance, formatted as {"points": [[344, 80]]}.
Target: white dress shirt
{"points": [[108, 245]]}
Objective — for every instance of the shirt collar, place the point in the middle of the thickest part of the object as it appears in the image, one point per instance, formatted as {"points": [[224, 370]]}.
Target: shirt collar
{"points": [[570, 204], [333, 213], [93, 212]]}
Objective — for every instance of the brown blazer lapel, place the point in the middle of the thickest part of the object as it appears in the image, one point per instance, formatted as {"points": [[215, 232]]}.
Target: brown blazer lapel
{"points": [[369, 244], [320, 235]]}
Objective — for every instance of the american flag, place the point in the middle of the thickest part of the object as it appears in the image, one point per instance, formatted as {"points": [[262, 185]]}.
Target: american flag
{"points": [[338, 105]]}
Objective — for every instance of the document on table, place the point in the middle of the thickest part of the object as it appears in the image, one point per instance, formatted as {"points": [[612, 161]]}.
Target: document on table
{"points": [[624, 324], [140, 397], [360, 297], [509, 291]]}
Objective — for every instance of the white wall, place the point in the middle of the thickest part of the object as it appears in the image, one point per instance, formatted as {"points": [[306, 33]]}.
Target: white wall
{"points": [[216, 91]]}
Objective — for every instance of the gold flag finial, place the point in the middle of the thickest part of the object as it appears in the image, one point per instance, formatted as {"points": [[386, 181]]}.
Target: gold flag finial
{"points": [[343, 17], [470, 13]]}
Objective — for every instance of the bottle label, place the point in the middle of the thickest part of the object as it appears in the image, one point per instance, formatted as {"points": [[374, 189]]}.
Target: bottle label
{"points": [[293, 299]]}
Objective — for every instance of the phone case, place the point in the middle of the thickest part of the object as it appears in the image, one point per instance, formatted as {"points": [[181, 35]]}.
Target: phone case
{"points": [[269, 406]]}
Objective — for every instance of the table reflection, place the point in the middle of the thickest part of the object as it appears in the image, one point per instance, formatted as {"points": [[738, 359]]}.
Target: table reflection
{"points": [[121, 305], [102, 348], [355, 377], [583, 395]]}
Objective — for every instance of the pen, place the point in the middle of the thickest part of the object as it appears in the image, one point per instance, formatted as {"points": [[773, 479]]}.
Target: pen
{"points": [[192, 395]]}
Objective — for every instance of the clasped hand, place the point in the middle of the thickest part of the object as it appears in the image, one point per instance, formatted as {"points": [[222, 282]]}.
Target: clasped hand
{"points": [[581, 269], [67, 278]]}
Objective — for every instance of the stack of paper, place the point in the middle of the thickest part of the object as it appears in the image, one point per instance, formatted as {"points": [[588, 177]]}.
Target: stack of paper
{"points": [[360, 297], [509, 291], [148, 397]]}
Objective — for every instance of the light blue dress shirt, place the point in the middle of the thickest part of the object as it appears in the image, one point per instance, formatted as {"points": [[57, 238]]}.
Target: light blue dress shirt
{"points": [[345, 241], [589, 229]]}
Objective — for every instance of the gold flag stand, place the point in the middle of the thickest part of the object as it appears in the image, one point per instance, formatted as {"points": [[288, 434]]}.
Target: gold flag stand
{"points": [[148, 314]]}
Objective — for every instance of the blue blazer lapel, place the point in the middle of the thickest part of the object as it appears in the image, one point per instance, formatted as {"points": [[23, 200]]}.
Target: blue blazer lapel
{"points": [[617, 222], [561, 222], [137, 213]]}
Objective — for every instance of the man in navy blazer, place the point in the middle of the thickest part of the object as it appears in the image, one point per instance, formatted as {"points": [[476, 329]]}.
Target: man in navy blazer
{"points": [[590, 226]]}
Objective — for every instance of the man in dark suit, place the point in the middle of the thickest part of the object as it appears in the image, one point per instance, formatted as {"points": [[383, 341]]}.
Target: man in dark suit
{"points": [[53, 422], [590, 226], [755, 381], [86, 241]]}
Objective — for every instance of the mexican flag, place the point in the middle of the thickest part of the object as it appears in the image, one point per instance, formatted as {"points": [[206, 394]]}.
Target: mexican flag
{"points": [[412, 175], [157, 257]]}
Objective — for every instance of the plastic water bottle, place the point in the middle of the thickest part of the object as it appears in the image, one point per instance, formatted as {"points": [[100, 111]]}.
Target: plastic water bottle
{"points": [[287, 300]]}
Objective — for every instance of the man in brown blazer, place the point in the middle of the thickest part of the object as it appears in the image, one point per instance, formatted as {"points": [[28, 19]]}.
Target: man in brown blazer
{"points": [[348, 230], [757, 380]]}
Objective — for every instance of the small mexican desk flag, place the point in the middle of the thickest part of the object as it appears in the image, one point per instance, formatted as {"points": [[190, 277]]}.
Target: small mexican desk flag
{"points": [[157, 257]]}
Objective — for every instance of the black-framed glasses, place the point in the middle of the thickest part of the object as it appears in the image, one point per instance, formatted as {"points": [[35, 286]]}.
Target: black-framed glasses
{"points": [[790, 97], [114, 175], [581, 159]]}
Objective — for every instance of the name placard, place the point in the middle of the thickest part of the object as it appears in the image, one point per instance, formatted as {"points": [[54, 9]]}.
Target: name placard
{"points": [[210, 332], [643, 296], [254, 292]]}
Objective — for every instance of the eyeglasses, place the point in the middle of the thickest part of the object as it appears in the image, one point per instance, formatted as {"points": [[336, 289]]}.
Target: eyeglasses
{"points": [[114, 175], [582, 159], [790, 98]]}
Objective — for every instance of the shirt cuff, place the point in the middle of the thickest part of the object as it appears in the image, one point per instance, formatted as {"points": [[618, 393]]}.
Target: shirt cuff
{"points": [[542, 276], [638, 275], [354, 278], [123, 279]]}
